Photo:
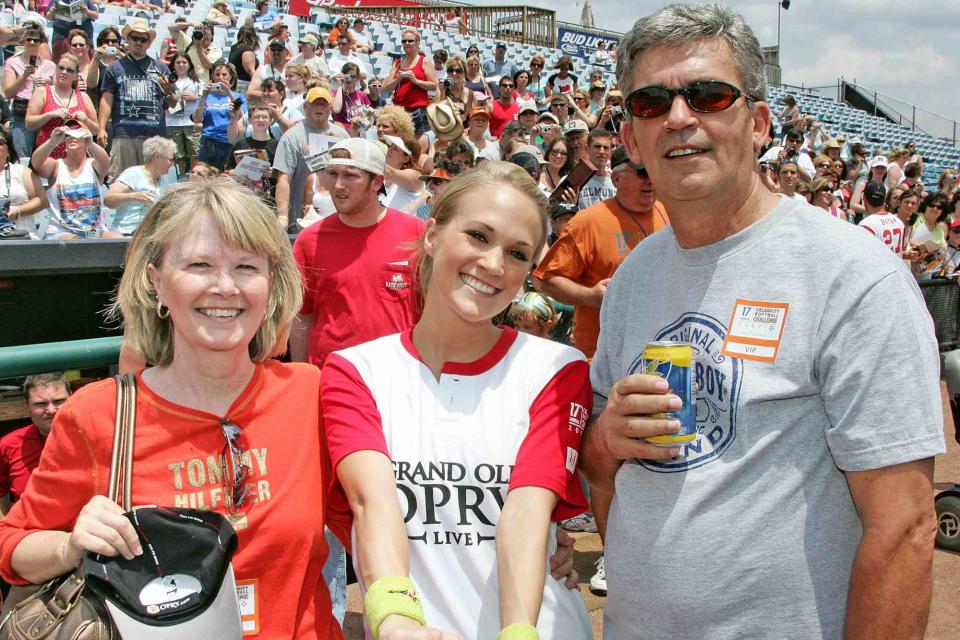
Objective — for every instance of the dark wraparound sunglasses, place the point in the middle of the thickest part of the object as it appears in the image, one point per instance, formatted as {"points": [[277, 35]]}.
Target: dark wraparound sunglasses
{"points": [[139, 39], [704, 96]]}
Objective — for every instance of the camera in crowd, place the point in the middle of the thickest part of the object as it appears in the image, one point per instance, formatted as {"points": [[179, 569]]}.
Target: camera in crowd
{"points": [[790, 153], [198, 33], [446, 83]]}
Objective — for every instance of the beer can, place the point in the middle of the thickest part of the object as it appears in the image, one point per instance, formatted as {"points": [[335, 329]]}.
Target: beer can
{"points": [[673, 361]]}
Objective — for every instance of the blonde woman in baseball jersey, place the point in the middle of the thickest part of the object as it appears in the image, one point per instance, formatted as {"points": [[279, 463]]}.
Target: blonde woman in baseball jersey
{"points": [[455, 442]]}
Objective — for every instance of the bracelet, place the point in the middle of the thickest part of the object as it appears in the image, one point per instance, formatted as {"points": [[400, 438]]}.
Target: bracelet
{"points": [[389, 596], [519, 631]]}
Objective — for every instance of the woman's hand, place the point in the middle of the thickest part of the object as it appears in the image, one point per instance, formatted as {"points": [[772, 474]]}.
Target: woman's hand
{"points": [[561, 562], [146, 197], [101, 528], [58, 134], [29, 70], [403, 628]]}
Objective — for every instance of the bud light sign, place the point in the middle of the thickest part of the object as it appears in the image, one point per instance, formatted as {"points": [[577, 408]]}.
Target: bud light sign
{"points": [[582, 43]]}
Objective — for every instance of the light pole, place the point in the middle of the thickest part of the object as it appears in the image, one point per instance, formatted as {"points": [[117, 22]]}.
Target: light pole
{"points": [[785, 5]]}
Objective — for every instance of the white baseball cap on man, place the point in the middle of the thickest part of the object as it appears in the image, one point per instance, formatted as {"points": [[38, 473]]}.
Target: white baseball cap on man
{"points": [[362, 154]]}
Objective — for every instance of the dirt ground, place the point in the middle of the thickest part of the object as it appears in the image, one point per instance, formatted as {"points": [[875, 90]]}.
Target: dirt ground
{"points": [[944, 611]]}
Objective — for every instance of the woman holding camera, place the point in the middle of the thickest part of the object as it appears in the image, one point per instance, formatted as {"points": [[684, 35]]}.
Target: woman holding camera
{"points": [[22, 73], [349, 102], [107, 52], [215, 111], [53, 105]]}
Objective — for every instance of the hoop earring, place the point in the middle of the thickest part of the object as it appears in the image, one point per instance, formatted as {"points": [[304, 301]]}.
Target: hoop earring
{"points": [[160, 313]]}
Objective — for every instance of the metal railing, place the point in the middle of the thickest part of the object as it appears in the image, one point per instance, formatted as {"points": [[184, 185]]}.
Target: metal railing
{"points": [[29, 359], [905, 113], [526, 25]]}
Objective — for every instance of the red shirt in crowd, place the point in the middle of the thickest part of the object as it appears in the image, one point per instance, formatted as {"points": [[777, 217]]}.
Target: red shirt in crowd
{"points": [[501, 115], [359, 281], [178, 461], [408, 95], [19, 455]]}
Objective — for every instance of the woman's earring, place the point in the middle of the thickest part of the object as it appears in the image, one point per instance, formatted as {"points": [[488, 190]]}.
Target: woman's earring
{"points": [[160, 312]]}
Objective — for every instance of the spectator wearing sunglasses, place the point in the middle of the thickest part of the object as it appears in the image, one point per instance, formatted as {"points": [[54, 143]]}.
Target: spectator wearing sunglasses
{"points": [[67, 17], [272, 70], [538, 83], [59, 102], [209, 292], [344, 54], [107, 52], [499, 67], [504, 108], [803, 404], [410, 79], [22, 73]]}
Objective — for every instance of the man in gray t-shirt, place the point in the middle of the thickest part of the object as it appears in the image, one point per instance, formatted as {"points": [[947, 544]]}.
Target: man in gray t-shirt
{"points": [[802, 509], [292, 170]]}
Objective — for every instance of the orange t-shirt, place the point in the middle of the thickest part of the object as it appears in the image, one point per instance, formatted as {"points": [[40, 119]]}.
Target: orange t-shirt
{"points": [[178, 462], [590, 248]]}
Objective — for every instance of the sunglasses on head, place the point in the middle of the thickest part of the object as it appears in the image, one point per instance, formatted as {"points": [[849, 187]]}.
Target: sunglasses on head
{"points": [[703, 96], [139, 39]]}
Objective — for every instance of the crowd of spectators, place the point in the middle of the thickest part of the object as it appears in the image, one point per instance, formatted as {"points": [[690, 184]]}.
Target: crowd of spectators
{"points": [[258, 112]]}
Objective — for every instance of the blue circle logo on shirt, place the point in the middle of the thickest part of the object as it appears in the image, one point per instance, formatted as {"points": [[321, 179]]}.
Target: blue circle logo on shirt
{"points": [[719, 378]]}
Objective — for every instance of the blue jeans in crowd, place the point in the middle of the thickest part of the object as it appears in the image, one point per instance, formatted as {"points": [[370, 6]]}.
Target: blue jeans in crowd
{"points": [[23, 138], [214, 152], [335, 573]]}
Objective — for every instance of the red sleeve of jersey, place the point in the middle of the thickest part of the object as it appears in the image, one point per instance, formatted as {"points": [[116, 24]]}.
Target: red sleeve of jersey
{"points": [[872, 232], [548, 455], [303, 249], [349, 412]]}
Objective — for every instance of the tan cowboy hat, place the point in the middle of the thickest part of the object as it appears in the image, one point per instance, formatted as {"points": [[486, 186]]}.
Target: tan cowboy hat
{"points": [[139, 25], [445, 121]]}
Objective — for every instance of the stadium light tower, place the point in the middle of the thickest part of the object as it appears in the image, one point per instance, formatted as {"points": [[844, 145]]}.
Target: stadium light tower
{"points": [[785, 5]]}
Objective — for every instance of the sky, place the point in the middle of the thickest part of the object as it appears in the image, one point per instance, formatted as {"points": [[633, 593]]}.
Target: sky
{"points": [[907, 49]]}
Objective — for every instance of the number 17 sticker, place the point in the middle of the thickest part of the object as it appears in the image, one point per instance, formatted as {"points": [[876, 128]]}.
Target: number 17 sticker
{"points": [[756, 329]]}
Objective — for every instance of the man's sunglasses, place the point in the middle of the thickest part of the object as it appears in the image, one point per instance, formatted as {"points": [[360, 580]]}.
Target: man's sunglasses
{"points": [[506, 86], [704, 96], [138, 39]]}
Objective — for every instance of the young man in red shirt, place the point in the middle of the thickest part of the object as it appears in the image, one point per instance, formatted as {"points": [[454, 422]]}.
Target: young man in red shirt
{"points": [[20, 449], [505, 108]]}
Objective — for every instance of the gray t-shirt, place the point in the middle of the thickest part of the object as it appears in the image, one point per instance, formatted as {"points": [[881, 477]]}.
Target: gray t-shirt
{"points": [[752, 533], [289, 160], [597, 189]]}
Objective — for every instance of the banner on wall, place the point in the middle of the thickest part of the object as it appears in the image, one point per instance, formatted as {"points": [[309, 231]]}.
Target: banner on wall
{"points": [[302, 7], [582, 44]]}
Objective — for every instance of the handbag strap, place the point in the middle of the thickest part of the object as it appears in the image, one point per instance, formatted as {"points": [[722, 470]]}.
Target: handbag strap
{"points": [[121, 460]]}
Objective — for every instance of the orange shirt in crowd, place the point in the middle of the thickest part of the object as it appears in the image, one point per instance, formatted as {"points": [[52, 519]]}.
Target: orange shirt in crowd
{"points": [[179, 461], [590, 248]]}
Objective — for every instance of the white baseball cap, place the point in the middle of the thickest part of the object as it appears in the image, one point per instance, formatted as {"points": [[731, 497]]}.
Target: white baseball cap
{"points": [[363, 154]]}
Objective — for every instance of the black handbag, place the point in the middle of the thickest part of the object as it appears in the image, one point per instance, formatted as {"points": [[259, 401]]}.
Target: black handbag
{"points": [[63, 608]]}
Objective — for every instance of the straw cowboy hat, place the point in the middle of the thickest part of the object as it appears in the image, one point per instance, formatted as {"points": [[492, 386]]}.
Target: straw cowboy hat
{"points": [[445, 121], [139, 25]]}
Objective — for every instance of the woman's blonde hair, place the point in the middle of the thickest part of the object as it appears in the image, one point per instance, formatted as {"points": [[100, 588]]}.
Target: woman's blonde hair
{"points": [[399, 119], [487, 176], [301, 70], [244, 222]]}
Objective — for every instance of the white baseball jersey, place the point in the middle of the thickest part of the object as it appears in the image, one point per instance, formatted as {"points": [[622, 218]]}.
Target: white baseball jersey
{"points": [[513, 418], [888, 227]]}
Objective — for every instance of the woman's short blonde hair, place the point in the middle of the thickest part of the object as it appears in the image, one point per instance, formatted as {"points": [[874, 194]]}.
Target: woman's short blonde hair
{"points": [[244, 222], [158, 146], [489, 175], [537, 58], [398, 119]]}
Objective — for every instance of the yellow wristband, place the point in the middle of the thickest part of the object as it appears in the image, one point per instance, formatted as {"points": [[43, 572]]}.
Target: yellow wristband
{"points": [[519, 631], [391, 596]]}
